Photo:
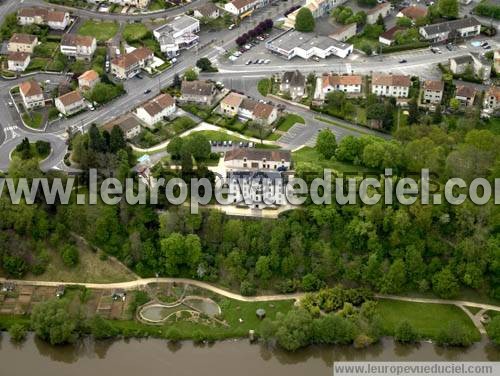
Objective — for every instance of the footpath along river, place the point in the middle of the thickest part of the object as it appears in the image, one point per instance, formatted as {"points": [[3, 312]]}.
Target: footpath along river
{"points": [[159, 357]]}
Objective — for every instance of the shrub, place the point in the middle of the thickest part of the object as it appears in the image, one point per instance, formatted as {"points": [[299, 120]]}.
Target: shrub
{"points": [[405, 333], [17, 332]]}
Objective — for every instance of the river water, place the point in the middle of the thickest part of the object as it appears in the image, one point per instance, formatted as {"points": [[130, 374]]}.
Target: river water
{"points": [[159, 357]]}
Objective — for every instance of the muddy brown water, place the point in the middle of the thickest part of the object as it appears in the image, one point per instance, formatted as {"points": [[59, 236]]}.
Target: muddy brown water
{"points": [[158, 357]]}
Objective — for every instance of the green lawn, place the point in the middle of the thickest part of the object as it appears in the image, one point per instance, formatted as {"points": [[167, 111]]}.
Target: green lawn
{"points": [[219, 136], [494, 125], [337, 124], [102, 31], [308, 159], [427, 319], [473, 310], [155, 5], [46, 49], [264, 86], [135, 31], [33, 120], [37, 64], [232, 312], [288, 121]]}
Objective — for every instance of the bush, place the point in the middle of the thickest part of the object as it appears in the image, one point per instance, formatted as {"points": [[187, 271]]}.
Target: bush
{"points": [[53, 323], [493, 330], [101, 329], [405, 333], [404, 47], [70, 256], [305, 21], [454, 334], [17, 332]]}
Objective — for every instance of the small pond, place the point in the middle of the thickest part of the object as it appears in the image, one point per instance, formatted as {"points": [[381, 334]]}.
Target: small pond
{"points": [[158, 312], [204, 305]]}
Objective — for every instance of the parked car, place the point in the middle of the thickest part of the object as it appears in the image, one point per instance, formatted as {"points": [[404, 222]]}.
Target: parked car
{"points": [[402, 61], [147, 91], [248, 62], [231, 27], [267, 61], [449, 47]]}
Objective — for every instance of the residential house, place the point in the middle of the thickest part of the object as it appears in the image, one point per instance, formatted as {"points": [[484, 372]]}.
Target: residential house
{"points": [[200, 92], [382, 9], [478, 64], [492, 98], [243, 8], [55, 20], [230, 105], [209, 10], [156, 109], [388, 37], [70, 103], [140, 4], [178, 34], [293, 43], [293, 83], [257, 189], [31, 94], [465, 94], [433, 91], [128, 65], [349, 84], [22, 43], [258, 159], [78, 46], [344, 33], [413, 12], [461, 28], [129, 124], [18, 61], [496, 61], [245, 108], [88, 80], [391, 85], [318, 9]]}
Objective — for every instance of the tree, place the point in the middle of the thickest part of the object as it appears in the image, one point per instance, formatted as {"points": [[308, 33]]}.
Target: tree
{"points": [[326, 143], [437, 116], [367, 3], [395, 280], [103, 92], [413, 114], [349, 149], [42, 148], [117, 140], [176, 81], [305, 21], [380, 21], [198, 146], [52, 322], [205, 65], [454, 104], [295, 330], [493, 330], [24, 148], [404, 22], [190, 75], [405, 332], [96, 141], [448, 8], [332, 330], [175, 147], [445, 284], [267, 329]]}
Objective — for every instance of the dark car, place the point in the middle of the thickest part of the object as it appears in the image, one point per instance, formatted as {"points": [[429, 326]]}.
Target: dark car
{"points": [[402, 61], [147, 91]]}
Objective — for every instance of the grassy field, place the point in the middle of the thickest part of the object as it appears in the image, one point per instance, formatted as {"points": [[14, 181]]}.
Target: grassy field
{"points": [[135, 31], [494, 125], [288, 121], [232, 312], [264, 86], [428, 319], [473, 310], [102, 31], [308, 159], [33, 120], [90, 269]]}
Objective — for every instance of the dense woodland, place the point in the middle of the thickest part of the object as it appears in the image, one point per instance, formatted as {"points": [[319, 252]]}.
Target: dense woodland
{"points": [[391, 249]]}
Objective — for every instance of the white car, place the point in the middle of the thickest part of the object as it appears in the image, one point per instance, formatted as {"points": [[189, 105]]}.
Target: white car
{"points": [[233, 58], [267, 61]]}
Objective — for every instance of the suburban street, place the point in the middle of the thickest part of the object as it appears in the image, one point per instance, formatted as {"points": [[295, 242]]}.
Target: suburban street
{"points": [[236, 75]]}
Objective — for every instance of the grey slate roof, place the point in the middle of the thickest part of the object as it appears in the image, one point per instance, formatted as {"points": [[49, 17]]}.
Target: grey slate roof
{"points": [[446, 27]]}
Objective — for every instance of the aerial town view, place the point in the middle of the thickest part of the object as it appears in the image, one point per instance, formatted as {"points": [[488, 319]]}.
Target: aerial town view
{"points": [[249, 187]]}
